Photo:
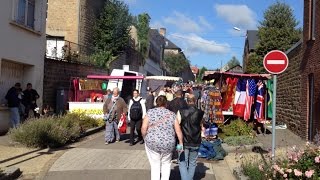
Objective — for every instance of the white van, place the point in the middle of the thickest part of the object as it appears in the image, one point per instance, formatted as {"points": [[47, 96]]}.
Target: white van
{"points": [[125, 85]]}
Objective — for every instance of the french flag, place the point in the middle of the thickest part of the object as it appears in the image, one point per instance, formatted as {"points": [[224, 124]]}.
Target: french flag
{"points": [[240, 98]]}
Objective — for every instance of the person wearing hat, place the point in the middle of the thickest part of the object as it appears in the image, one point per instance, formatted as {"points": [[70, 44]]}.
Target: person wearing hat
{"points": [[13, 99], [149, 99]]}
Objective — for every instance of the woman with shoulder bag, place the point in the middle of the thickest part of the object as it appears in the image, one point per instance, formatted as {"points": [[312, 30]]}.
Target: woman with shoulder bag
{"points": [[158, 129], [113, 108]]}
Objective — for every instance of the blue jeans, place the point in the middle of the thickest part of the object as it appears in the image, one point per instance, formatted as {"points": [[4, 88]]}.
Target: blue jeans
{"points": [[111, 129], [188, 162], [15, 116]]}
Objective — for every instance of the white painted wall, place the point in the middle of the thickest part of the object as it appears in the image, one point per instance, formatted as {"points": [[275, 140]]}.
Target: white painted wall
{"points": [[22, 45]]}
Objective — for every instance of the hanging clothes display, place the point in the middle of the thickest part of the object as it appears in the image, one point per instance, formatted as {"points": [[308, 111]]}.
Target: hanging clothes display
{"points": [[228, 97], [259, 106], [269, 97], [240, 98], [250, 96], [212, 106]]}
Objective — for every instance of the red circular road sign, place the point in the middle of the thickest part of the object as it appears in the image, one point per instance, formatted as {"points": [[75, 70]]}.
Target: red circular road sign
{"points": [[275, 62]]}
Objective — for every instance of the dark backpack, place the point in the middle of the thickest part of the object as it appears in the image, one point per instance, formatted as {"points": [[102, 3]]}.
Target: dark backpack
{"points": [[136, 110]]}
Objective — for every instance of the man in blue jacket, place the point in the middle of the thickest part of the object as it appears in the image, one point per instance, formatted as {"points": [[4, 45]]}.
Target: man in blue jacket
{"points": [[13, 104]]}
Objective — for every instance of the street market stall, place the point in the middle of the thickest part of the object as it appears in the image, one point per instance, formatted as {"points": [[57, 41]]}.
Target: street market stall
{"points": [[90, 92], [241, 95]]}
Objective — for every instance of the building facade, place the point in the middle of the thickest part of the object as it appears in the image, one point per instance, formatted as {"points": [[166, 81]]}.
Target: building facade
{"points": [[23, 39], [249, 46], [298, 90], [70, 25]]}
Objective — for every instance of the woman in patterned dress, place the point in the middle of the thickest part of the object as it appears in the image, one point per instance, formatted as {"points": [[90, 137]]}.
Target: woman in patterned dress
{"points": [[158, 129]]}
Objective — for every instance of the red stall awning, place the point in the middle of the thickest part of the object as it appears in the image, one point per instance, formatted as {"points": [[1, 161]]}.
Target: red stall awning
{"points": [[113, 77]]}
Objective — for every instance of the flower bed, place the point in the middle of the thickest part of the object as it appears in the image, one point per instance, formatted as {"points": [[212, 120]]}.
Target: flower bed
{"points": [[53, 131], [297, 164]]}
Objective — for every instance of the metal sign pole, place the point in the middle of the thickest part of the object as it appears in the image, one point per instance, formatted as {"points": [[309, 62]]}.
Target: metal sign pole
{"points": [[274, 116]]}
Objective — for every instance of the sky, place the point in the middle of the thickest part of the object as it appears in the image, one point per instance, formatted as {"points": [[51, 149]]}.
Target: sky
{"points": [[204, 29]]}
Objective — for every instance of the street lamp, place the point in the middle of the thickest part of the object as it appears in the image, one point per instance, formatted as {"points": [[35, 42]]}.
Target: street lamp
{"points": [[236, 28]]}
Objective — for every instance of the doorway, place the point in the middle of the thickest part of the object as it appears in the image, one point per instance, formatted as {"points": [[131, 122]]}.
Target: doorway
{"points": [[311, 129]]}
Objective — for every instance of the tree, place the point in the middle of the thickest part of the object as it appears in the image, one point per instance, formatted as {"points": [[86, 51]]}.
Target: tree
{"points": [[201, 73], [253, 65], [112, 30], [278, 30], [233, 62], [143, 33], [176, 63]]}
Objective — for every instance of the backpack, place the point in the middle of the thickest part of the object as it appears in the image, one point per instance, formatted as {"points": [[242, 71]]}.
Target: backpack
{"points": [[136, 110]]}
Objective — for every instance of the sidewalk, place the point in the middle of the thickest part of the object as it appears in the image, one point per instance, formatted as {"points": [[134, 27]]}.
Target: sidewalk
{"points": [[95, 160]]}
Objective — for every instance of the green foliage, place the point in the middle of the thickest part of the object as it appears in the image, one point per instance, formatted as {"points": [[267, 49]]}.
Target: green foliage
{"points": [[143, 33], [278, 30], [237, 128], [239, 140], [176, 63], [112, 30], [201, 73], [46, 132], [53, 131], [251, 170], [85, 122], [101, 58], [233, 62], [255, 64]]}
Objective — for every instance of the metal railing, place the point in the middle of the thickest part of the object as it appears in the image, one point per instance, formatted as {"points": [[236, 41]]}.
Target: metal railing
{"points": [[63, 50]]}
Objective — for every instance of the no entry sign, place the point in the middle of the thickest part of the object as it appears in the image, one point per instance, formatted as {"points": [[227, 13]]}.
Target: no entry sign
{"points": [[275, 62]]}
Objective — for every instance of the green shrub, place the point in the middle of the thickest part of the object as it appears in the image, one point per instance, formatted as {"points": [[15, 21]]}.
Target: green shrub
{"points": [[239, 140], [85, 122], [46, 132], [251, 170], [237, 128], [53, 131]]}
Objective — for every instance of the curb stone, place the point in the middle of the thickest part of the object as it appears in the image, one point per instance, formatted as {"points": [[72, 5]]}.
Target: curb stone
{"points": [[11, 173], [92, 131], [235, 149]]}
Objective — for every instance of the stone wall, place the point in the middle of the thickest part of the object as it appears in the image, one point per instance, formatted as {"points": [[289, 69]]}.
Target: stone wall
{"points": [[289, 94], [59, 74], [89, 12], [62, 19]]}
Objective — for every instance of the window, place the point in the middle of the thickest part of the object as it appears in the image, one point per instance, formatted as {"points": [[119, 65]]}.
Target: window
{"points": [[25, 10]]}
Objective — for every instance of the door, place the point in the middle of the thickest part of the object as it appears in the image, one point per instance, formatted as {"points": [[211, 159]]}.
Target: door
{"points": [[11, 73], [311, 129]]}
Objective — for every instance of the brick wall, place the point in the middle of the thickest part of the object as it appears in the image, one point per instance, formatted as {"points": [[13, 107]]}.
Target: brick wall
{"points": [[289, 94], [89, 12], [293, 85], [58, 74], [310, 65], [62, 19]]}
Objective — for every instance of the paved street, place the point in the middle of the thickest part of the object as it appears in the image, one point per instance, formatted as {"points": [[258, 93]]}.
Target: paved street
{"points": [[95, 160]]}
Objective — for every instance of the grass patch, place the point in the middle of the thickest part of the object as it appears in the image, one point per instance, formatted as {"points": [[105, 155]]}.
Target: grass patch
{"points": [[239, 140]]}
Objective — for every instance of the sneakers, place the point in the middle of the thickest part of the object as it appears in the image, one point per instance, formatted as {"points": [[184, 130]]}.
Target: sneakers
{"points": [[106, 143], [117, 140]]}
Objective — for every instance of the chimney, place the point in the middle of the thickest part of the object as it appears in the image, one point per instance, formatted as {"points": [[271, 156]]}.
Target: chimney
{"points": [[162, 31]]}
